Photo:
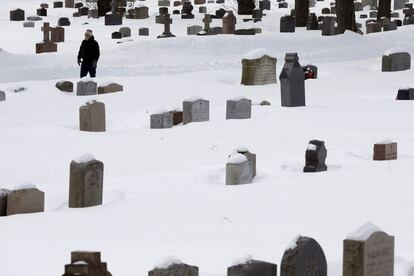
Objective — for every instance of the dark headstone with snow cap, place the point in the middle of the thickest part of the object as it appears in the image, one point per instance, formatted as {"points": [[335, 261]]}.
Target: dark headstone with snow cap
{"points": [[253, 268], [303, 257], [86, 263], [85, 182], [315, 157], [238, 170]]}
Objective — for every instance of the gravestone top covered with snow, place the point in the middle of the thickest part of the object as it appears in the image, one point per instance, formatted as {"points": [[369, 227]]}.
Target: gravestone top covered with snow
{"points": [[303, 257], [368, 252], [259, 67], [396, 59]]}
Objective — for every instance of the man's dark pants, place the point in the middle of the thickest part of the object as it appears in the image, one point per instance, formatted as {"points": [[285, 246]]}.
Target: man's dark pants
{"points": [[87, 68]]}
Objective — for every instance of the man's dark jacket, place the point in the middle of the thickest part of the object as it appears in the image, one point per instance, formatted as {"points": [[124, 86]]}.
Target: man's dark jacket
{"points": [[89, 51]]}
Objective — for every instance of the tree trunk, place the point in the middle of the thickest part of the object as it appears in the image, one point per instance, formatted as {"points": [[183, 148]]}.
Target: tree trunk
{"points": [[301, 12], [345, 15], [384, 9]]}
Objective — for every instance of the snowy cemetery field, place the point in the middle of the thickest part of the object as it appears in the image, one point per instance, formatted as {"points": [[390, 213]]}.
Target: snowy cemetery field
{"points": [[164, 190]]}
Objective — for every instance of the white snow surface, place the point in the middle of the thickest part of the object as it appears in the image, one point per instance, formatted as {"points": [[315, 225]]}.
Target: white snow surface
{"points": [[293, 242], [164, 191], [236, 158], [312, 147], [258, 53], [84, 158], [394, 51], [363, 232]]}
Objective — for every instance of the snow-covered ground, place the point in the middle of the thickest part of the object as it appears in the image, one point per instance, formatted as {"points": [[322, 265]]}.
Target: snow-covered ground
{"points": [[164, 190]]}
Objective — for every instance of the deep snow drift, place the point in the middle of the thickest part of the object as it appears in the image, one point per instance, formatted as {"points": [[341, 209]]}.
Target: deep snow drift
{"points": [[164, 191]]}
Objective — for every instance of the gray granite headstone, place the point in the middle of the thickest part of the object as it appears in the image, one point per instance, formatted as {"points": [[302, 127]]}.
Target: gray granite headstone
{"points": [[65, 86], [196, 111], [125, 31], [28, 24], [371, 257], [315, 157], [175, 270], [405, 93], [63, 21], [143, 32], [194, 29], [238, 170], [92, 117], [2, 96], [86, 183], [161, 120], [239, 109], [399, 4], [85, 88], [390, 26], [259, 71], [292, 82], [398, 61], [24, 201], [253, 268], [305, 258]]}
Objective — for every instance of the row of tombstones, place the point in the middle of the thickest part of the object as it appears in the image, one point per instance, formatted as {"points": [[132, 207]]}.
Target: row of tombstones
{"points": [[362, 256], [86, 177]]}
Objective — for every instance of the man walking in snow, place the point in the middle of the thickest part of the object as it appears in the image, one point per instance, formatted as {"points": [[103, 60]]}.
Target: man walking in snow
{"points": [[88, 55]]}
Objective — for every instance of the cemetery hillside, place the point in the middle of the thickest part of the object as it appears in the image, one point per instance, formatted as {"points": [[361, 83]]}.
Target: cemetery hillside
{"points": [[206, 138]]}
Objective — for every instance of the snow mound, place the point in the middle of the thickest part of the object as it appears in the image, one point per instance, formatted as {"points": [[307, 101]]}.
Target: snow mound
{"points": [[84, 158], [363, 232], [258, 53], [385, 141], [24, 186], [292, 244], [167, 262], [394, 51], [244, 260], [236, 158], [403, 267]]}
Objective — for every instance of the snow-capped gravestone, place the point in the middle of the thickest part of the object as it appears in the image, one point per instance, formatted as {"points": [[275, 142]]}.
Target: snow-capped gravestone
{"points": [[292, 82], [58, 34], [396, 60], [24, 200], [252, 268], [229, 23], [186, 11], [85, 88], [166, 20], [238, 170], [113, 18], [385, 150], [315, 157], [239, 109], [405, 93], [47, 45], [86, 263], [3, 202], [194, 29], [245, 7], [86, 182], [65, 86], [125, 31], [161, 120], [175, 269], [304, 257], [251, 157], [143, 32], [259, 68], [92, 117], [328, 26], [368, 252], [2, 96], [17, 15], [110, 88], [41, 12], [197, 110]]}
